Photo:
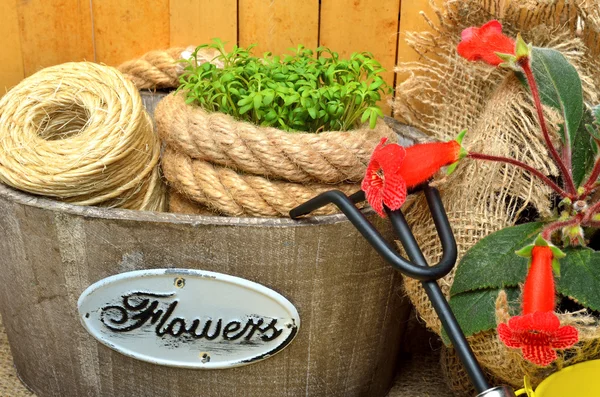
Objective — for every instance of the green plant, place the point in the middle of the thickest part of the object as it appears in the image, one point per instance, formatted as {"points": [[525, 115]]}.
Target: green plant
{"points": [[497, 265], [572, 272], [298, 92]]}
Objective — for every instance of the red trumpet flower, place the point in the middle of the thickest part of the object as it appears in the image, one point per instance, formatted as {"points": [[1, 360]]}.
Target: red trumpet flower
{"points": [[483, 43], [394, 169], [537, 332]]}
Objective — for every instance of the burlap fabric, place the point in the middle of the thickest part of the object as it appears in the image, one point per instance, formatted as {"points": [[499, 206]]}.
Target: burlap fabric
{"points": [[10, 385], [239, 169], [446, 94]]}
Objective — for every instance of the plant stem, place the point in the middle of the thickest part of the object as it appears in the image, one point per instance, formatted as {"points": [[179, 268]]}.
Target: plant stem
{"points": [[551, 228], [591, 182], [589, 214], [566, 172], [520, 164]]}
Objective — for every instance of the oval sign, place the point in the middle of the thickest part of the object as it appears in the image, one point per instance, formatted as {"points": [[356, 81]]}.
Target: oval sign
{"points": [[188, 318]]}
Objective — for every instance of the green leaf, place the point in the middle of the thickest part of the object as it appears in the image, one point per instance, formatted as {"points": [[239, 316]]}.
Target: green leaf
{"points": [[365, 115], [244, 109], [560, 88], [373, 119], [583, 150], [257, 101], [475, 311], [493, 263], [596, 114], [268, 98], [580, 277]]}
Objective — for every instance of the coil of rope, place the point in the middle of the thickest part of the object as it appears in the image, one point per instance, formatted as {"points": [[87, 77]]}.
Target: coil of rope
{"points": [[78, 132]]}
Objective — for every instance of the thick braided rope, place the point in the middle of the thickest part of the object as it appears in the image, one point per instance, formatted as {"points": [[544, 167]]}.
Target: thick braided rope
{"points": [[160, 69], [180, 204], [79, 132], [226, 192], [327, 157]]}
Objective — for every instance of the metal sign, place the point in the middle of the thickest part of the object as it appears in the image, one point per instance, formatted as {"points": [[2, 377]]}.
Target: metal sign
{"points": [[188, 318]]}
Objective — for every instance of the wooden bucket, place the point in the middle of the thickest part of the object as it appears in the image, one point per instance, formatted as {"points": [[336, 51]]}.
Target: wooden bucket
{"points": [[350, 304]]}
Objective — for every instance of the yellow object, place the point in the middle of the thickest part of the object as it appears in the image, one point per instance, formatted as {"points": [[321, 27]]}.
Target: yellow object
{"points": [[579, 380]]}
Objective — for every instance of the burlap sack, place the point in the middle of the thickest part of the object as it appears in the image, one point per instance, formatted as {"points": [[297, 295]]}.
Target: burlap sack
{"points": [[446, 94], [239, 169]]}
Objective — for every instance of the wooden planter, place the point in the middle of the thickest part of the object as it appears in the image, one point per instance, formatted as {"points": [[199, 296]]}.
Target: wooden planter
{"points": [[349, 300]]}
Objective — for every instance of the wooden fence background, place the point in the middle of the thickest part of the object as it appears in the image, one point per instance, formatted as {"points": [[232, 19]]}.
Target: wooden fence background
{"points": [[40, 33]]}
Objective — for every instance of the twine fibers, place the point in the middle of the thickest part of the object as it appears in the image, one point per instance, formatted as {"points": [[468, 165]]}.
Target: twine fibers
{"points": [[446, 94], [236, 168], [78, 132]]}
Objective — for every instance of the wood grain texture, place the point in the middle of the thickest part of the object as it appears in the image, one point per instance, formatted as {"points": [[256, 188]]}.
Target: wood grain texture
{"points": [[53, 32], [349, 26], [349, 299], [277, 25], [411, 20], [11, 57], [195, 22], [126, 29]]}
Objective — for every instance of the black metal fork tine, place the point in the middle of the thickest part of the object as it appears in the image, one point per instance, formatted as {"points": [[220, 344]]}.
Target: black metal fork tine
{"points": [[417, 267], [374, 238], [442, 226], [431, 287]]}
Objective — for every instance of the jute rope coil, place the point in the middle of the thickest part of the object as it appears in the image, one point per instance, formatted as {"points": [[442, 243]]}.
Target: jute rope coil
{"points": [[78, 132], [183, 205], [226, 192], [239, 169], [160, 69], [327, 157]]}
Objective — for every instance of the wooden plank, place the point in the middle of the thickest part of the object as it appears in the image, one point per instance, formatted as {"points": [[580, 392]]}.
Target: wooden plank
{"points": [[277, 25], [412, 21], [126, 29], [349, 26], [11, 57], [195, 22], [54, 32]]}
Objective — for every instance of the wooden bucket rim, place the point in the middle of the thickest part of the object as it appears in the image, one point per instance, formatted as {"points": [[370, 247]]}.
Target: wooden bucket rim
{"points": [[45, 203]]}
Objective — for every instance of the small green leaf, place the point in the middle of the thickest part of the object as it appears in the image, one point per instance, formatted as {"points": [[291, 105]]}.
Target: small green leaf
{"points": [[492, 262], [583, 150], [257, 101], [244, 109], [475, 311], [596, 114], [451, 168], [580, 278], [244, 101], [376, 84], [365, 115], [268, 98], [522, 49], [373, 119], [560, 87]]}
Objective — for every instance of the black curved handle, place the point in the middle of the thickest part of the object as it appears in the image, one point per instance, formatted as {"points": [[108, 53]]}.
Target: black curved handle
{"points": [[418, 268], [383, 248]]}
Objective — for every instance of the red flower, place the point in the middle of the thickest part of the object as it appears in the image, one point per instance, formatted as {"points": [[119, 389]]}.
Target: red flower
{"points": [[393, 170], [483, 43], [537, 332], [383, 183], [424, 160], [538, 291]]}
